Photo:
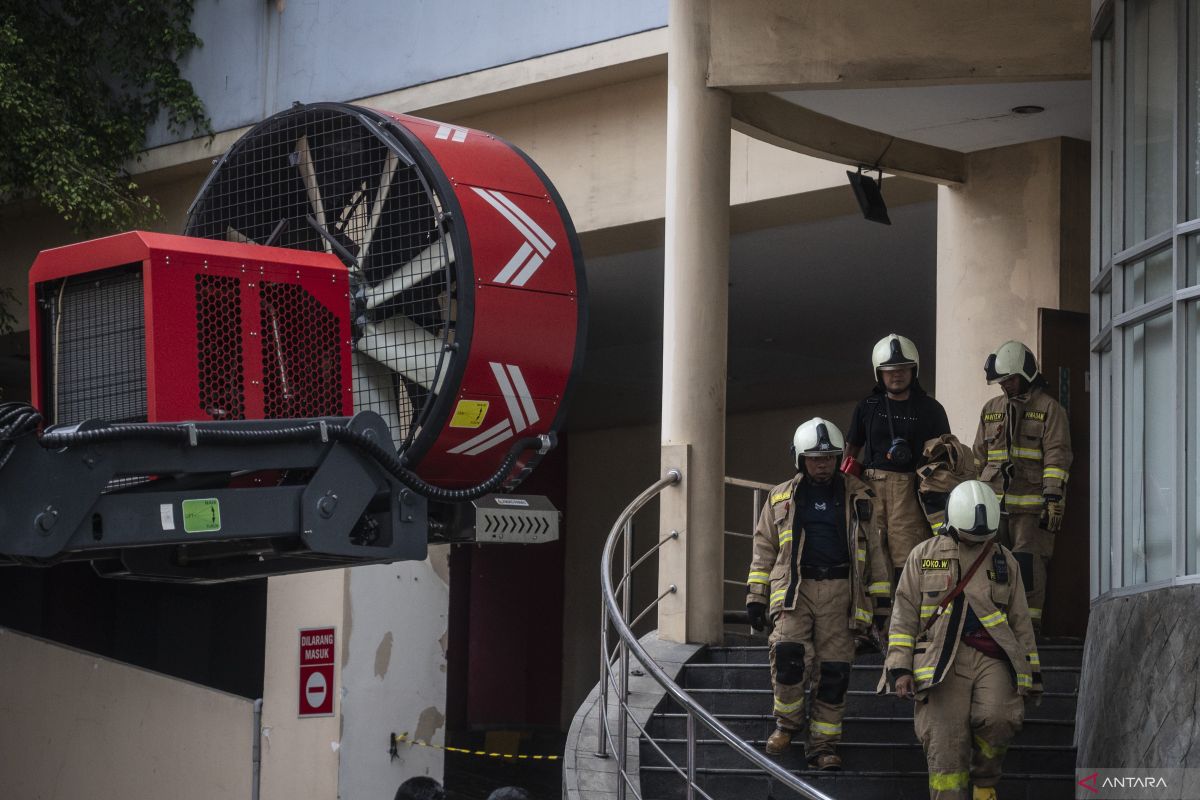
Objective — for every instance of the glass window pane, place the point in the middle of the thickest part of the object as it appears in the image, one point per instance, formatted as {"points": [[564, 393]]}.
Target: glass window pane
{"points": [[1192, 523], [1148, 280], [1107, 154], [1148, 460], [1105, 521], [1193, 261], [1105, 306], [1149, 115], [1193, 110]]}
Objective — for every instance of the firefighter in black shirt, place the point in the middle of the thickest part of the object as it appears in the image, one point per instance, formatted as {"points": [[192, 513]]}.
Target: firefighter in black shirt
{"points": [[886, 437]]}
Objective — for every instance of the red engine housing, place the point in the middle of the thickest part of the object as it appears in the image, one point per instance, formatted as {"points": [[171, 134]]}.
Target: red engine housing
{"points": [[228, 331]]}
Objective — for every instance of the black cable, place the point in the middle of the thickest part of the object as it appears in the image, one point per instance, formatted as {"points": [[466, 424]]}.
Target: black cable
{"points": [[388, 460], [16, 420]]}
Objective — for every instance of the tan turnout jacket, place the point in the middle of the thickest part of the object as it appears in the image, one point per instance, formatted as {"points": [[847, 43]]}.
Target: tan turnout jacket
{"points": [[996, 594], [1031, 433], [775, 566]]}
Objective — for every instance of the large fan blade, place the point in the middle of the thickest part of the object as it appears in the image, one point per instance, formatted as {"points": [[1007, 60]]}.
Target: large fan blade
{"points": [[309, 173], [390, 165], [404, 347], [420, 267], [374, 391], [352, 223], [232, 234]]}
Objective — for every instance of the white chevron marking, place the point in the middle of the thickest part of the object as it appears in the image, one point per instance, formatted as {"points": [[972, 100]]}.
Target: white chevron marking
{"points": [[526, 400], [503, 437], [520, 404], [545, 237], [510, 396], [514, 263], [524, 263], [491, 432], [451, 133]]}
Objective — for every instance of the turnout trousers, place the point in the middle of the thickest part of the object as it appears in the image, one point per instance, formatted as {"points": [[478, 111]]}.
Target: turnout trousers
{"points": [[966, 722], [812, 646], [1032, 547], [904, 523]]}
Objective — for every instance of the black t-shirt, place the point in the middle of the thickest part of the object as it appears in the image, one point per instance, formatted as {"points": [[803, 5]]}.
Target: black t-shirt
{"points": [[824, 545], [917, 420]]}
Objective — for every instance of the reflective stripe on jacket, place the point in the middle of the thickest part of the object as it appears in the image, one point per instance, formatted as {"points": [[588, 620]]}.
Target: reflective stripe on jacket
{"points": [[1030, 437], [774, 568], [996, 594]]}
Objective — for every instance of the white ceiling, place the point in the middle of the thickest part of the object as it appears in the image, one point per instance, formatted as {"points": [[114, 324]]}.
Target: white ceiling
{"points": [[966, 117]]}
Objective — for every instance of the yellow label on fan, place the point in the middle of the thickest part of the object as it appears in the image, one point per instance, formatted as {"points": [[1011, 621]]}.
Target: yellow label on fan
{"points": [[469, 414]]}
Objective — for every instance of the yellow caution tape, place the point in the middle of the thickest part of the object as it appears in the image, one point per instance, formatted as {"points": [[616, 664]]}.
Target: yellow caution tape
{"points": [[397, 738]]}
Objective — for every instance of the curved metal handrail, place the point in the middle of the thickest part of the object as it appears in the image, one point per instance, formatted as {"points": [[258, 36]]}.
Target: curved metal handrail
{"points": [[630, 645]]}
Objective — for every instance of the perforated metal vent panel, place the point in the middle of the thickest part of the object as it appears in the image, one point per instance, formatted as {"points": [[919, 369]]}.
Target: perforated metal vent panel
{"points": [[96, 331], [301, 353], [219, 347]]}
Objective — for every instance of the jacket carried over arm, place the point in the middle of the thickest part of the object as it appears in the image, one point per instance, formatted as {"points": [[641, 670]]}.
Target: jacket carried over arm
{"points": [[995, 593], [774, 578]]}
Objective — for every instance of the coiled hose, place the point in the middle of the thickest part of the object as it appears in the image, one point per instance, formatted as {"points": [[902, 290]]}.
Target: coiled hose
{"points": [[19, 419]]}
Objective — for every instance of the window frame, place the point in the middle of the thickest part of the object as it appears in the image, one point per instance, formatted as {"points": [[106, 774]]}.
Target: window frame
{"points": [[1109, 270]]}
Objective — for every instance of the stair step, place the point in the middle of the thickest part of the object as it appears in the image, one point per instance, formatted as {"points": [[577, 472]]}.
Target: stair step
{"points": [[1054, 705], [663, 783], [1036, 730], [758, 676], [862, 756], [1052, 655]]}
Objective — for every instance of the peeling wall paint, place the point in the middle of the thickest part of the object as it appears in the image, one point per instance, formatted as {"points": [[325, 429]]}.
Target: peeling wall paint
{"points": [[383, 655], [429, 723], [394, 678]]}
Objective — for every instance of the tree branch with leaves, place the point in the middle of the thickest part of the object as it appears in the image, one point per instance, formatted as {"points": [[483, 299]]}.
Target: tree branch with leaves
{"points": [[80, 84]]}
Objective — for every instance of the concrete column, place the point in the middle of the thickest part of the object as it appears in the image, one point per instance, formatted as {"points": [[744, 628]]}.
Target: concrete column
{"points": [[695, 325], [1008, 242]]}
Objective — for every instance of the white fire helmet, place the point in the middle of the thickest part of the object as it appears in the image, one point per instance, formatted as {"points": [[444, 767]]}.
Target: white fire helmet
{"points": [[1011, 358], [895, 350], [817, 437], [973, 512]]}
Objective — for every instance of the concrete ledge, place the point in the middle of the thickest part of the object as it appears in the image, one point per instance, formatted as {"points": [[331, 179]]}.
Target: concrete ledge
{"points": [[586, 777]]}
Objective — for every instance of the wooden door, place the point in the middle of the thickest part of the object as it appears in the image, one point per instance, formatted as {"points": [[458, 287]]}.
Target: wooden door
{"points": [[1063, 357]]}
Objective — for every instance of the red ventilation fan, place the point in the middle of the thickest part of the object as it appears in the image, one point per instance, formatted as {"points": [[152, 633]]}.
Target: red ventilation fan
{"points": [[467, 286]]}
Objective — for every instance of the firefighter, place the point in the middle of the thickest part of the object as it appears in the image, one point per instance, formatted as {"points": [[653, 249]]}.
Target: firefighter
{"points": [[1023, 451], [888, 431], [815, 566], [962, 645]]}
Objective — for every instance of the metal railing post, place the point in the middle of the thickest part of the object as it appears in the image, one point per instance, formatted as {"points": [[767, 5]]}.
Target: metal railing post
{"points": [[602, 728], [623, 706], [757, 505], [691, 756]]}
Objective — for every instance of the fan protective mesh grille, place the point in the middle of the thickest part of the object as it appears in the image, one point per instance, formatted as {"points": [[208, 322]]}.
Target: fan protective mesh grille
{"points": [[321, 179], [97, 335]]}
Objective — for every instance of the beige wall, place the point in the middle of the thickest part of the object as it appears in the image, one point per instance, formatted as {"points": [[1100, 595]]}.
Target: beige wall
{"points": [[1008, 244], [806, 43], [76, 725], [605, 151], [607, 469]]}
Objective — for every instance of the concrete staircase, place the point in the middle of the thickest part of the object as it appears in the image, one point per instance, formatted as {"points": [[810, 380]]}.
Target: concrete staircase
{"points": [[881, 755]]}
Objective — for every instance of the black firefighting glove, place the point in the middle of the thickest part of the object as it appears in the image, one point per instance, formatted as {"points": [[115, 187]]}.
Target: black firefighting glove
{"points": [[757, 612], [1053, 507]]}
